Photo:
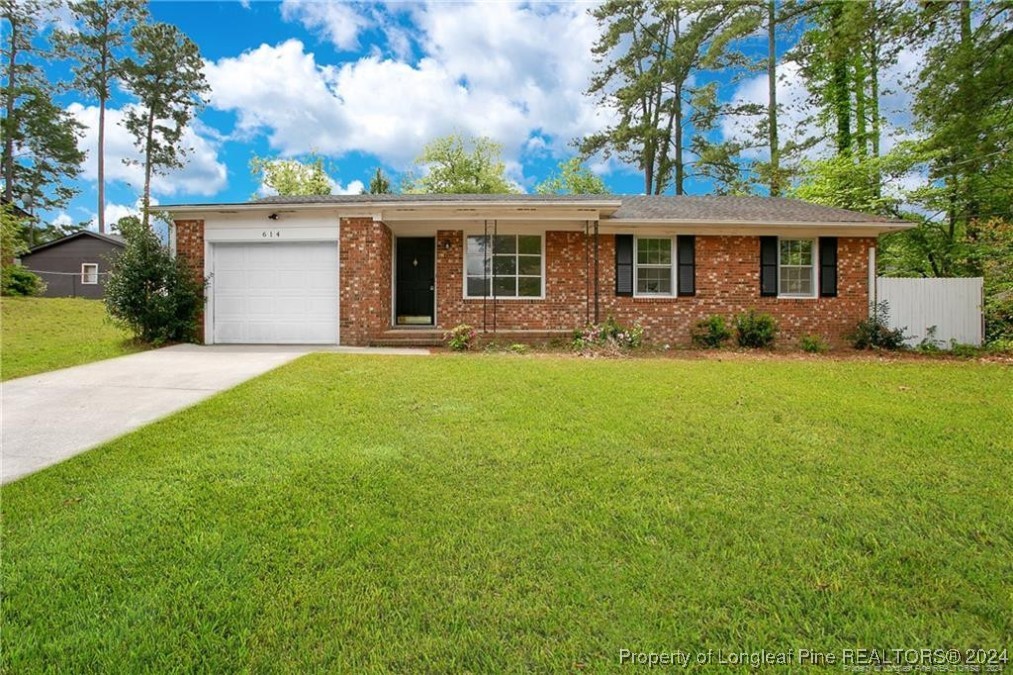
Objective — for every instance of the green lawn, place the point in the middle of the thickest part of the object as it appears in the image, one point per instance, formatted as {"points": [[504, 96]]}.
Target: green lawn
{"points": [[40, 334], [506, 513]]}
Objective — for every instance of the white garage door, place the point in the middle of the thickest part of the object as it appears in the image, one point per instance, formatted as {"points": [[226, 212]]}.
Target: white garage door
{"points": [[275, 293]]}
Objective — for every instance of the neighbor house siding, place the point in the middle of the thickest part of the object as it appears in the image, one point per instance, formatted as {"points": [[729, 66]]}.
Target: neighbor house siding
{"points": [[365, 284], [59, 266], [190, 247]]}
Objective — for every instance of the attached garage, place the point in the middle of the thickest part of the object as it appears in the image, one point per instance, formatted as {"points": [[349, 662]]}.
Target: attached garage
{"points": [[274, 292]]}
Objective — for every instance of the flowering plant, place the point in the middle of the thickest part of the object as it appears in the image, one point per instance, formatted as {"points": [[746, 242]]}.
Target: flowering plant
{"points": [[610, 335], [460, 338]]}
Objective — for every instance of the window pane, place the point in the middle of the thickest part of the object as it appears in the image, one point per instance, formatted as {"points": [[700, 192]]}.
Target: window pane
{"points": [[529, 244], [506, 286], [476, 286], [505, 243], [805, 253], [503, 265], [530, 287], [654, 251], [476, 255], [654, 280], [529, 264]]}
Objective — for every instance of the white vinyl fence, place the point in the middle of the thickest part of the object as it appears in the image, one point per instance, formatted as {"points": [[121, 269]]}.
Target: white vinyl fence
{"points": [[953, 306]]}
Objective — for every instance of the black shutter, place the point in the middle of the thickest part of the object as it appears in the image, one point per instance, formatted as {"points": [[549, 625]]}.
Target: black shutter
{"points": [[686, 248], [624, 264], [768, 265], [828, 267]]}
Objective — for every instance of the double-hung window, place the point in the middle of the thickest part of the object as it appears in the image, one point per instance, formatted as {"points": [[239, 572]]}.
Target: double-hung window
{"points": [[796, 268], [507, 265], [654, 268], [89, 273]]}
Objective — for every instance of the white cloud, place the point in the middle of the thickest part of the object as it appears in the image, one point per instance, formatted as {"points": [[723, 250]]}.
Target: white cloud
{"points": [[503, 70], [203, 173], [63, 219], [334, 21], [353, 188]]}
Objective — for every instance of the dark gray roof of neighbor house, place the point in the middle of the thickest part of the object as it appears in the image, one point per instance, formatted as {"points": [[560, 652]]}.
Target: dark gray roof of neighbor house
{"points": [[114, 239], [635, 207]]}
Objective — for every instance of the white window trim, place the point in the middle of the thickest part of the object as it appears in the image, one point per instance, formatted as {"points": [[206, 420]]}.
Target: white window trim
{"points": [[505, 298], [813, 273], [84, 274], [672, 269]]}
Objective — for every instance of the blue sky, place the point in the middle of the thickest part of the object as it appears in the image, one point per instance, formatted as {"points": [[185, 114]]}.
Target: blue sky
{"points": [[368, 85]]}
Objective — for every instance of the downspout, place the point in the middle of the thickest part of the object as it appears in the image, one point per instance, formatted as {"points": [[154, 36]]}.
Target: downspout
{"points": [[587, 272], [495, 233], [596, 284], [486, 261]]}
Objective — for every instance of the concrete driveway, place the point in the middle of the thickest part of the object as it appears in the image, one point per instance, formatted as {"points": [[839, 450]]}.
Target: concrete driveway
{"points": [[50, 417]]}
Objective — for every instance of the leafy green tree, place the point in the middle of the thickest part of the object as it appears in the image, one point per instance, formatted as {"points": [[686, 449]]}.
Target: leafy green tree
{"points": [[291, 177], [456, 165], [572, 178], [168, 80], [97, 48], [40, 158], [155, 294], [380, 184]]}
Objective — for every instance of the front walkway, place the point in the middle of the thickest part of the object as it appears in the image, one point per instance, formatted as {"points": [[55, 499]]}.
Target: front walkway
{"points": [[50, 417]]}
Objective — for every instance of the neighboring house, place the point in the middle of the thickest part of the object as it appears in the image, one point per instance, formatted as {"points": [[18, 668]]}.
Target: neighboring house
{"points": [[382, 269], [76, 265]]}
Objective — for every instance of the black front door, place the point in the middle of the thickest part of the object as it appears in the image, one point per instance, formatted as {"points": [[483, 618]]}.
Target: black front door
{"points": [[416, 281]]}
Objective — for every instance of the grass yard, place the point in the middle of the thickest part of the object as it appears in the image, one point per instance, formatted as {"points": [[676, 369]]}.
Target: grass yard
{"points": [[505, 513], [40, 334]]}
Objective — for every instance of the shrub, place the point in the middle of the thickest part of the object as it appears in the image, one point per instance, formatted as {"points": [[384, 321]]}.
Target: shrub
{"points": [[609, 334], [153, 293], [755, 329], [929, 344], [875, 332], [519, 349], [813, 344], [964, 350], [16, 280], [460, 338], [711, 332]]}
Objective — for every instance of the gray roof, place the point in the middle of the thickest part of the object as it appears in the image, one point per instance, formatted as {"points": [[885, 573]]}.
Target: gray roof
{"points": [[114, 239], [636, 207], [736, 209]]}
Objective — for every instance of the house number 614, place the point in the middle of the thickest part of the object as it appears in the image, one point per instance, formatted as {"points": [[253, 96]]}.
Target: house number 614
{"points": [[270, 234]]}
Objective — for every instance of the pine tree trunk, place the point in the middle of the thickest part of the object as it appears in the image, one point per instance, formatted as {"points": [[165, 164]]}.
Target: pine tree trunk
{"points": [[101, 165], [839, 76], [772, 139], [677, 135], [9, 130], [146, 201]]}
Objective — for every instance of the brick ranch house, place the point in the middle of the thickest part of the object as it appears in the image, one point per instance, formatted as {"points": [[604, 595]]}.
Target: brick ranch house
{"points": [[389, 269]]}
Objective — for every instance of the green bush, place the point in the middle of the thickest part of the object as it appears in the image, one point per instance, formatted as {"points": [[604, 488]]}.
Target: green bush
{"points": [[755, 329], [153, 293], [518, 348], [964, 351], [16, 280], [711, 332], [460, 338], [813, 344], [875, 332]]}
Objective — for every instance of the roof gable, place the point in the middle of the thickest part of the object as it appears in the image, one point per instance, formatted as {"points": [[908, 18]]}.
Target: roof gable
{"points": [[113, 239]]}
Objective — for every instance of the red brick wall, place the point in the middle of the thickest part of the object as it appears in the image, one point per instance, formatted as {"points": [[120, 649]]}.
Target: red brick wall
{"points": [[365, 250], [727, 279], [190, 246]]}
